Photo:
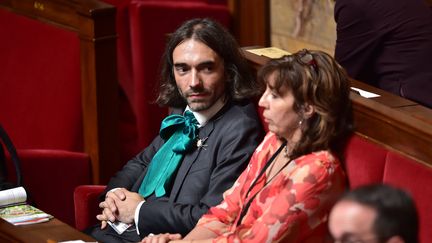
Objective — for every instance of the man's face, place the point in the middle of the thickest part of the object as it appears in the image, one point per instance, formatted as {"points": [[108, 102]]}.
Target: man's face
{"points": [[199, 74], [351, 222]]}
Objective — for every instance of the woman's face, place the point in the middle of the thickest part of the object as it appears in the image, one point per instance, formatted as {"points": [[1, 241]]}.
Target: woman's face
{"points": [[279, 111]]}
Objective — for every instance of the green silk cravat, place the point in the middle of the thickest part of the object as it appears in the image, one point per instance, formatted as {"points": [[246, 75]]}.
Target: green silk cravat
{"points": [[179, 133]]}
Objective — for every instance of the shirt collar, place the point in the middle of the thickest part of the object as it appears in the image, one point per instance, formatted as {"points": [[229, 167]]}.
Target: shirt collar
{"points": [[204, 116]]}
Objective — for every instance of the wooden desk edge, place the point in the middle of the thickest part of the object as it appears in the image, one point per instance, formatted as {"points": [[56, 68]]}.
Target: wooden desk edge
{"points": [[51, 231]]}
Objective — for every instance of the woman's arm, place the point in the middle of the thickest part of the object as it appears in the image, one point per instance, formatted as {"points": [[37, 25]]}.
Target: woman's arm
{"points": [[197, 235], [200, 233]]}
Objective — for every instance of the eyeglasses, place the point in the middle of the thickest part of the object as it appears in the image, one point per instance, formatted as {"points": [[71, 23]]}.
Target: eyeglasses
{"points": [[306, 58]]}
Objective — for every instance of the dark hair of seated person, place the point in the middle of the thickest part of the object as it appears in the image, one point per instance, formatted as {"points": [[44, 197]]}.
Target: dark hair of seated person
{"points": [[395, 209]]}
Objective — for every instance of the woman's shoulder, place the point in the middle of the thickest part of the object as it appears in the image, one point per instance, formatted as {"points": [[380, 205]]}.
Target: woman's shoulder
{"points": [[324, 157], [323, 165]]}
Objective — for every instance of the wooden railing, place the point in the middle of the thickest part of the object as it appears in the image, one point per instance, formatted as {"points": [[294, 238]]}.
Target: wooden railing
{"points": [[392, 121], [94, 24]]}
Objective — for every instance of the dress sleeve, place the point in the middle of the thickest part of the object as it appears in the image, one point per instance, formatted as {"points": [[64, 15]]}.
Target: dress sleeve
{"points": [[293, 205]]}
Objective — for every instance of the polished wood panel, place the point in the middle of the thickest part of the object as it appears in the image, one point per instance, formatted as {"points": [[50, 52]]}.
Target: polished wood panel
{"points": [[386, 98], [398, 124], [419, 112], [251, 21], [94, 23], [47, 232]]}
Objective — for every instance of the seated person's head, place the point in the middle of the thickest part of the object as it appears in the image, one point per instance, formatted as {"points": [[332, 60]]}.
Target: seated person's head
{"points": [[374, 213], [306, 100], [202, 63]]}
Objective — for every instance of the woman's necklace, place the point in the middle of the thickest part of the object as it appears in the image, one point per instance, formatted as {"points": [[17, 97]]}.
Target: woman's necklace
{"points": [[264, 169], [286, 152], [280, 162]]}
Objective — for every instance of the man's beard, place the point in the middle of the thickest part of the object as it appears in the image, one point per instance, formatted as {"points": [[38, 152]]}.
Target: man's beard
{"points": [[198, 104]]}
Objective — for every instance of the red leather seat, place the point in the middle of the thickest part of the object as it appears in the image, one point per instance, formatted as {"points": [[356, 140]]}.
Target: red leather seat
{"points": [[86, 198], [367, 162], [50, 178]]}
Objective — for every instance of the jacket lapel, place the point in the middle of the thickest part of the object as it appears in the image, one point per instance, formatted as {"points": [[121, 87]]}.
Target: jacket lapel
{"points": [[138, 182], [189, 160]]}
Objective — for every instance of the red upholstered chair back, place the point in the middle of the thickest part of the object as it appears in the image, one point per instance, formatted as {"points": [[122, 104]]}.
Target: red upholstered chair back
{"points": [[127, 116], [124, 51], [415, 178], [367, 162], [40, 108], [364, 161], [50, 177], [57, 90], [40, 99]]}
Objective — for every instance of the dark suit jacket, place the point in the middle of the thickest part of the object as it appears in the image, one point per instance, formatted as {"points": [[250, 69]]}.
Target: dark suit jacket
{"points": [[204, 174], [387, 43]]}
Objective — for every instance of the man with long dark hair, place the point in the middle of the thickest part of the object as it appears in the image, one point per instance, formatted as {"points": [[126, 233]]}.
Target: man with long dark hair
{"points": [[202, 147]]}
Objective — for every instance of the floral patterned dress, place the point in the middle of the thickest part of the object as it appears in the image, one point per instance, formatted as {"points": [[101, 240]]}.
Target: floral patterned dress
{"points": [[291, 207]]}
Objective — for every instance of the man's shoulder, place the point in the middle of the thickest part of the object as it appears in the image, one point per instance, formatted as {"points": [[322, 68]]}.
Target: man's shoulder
{"points": [[242, 108], [241, 111]]}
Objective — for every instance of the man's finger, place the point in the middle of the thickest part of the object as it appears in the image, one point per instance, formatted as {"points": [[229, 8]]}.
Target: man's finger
{"points": [[101, 217], [102, 204], [120, 194], [110, 203], [103, 224], [175, 236], [109, 215]]}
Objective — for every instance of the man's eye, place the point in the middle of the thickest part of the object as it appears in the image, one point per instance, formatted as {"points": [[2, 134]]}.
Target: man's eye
{"points": [[181, 69], [208, 69]]}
